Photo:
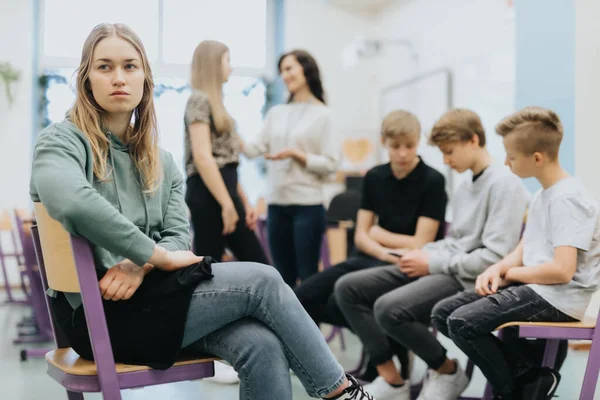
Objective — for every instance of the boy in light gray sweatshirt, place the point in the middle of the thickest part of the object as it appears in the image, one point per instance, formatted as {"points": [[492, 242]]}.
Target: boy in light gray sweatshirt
{"points": [[549, 277], [396, 301]]}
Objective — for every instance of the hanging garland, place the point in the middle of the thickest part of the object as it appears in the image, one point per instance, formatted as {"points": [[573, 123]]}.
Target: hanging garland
{"points": [[43, 84]]}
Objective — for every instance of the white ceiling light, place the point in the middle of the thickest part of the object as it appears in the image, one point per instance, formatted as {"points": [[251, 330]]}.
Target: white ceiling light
{"points": [[363, 47]]}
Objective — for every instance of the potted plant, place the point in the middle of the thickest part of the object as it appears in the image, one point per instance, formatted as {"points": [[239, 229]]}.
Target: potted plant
{"points": [[8, 75]]}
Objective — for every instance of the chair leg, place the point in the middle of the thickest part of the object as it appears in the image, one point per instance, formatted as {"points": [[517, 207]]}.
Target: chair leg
{"points": [[487, 393], [550, 352], [590, 379], [74, 395], [469, 369], [342, 339]]}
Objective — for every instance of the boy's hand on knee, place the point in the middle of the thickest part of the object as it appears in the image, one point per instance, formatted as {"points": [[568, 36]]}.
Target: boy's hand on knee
{"points": [[414, 264], [489, 281]]}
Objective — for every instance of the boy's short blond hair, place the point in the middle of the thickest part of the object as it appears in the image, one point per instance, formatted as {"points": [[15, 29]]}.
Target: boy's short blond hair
{"points": [[538, 130], [455, 126], [401, 124]]}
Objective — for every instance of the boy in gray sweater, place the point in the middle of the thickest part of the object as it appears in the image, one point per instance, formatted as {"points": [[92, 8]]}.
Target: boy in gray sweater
{"points": [[549, 277], [396, 301]]}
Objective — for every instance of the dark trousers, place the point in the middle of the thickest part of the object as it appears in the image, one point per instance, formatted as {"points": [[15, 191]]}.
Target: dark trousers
{"points": [[316, 294], [469, 320], [295, 238], [208, 223], [384, 303]]}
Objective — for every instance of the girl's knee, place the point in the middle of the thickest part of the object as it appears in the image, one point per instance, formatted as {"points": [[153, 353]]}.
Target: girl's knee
{"points": [[257, 271]]}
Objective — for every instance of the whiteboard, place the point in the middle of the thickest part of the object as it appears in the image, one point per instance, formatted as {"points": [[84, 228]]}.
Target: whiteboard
{"points": [[428, 96]]}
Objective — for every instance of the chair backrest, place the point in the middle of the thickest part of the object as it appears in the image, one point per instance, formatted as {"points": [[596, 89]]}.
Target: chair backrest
{"points": [[5, 222], [57, 252], [24, 219], [344, 206], [24, 222]]}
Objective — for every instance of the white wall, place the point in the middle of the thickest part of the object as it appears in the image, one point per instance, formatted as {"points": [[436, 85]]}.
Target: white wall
{"points": [[587, 93], [474, 39], [16, 44], [587, 98], [324, 30]]}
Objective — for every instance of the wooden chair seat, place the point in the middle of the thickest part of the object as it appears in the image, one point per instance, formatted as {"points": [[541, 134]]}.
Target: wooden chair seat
{"points": [[68, 361], [586, 323]]}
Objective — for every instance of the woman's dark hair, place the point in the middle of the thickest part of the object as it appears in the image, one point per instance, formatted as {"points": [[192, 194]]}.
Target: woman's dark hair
{"points": [[311, 73]]}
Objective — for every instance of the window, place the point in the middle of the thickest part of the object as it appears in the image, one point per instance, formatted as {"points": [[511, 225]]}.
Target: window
{"points": [[244, 30], [68, 22], [176, 27]]}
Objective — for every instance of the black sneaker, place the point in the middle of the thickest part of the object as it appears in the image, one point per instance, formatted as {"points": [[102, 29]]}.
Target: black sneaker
{"points": [[542, 386], [354, 391], [368, 374]]}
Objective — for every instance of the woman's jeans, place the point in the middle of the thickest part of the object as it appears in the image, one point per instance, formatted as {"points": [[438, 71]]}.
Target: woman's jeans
{"points": [[295, 238], [249, 317]]}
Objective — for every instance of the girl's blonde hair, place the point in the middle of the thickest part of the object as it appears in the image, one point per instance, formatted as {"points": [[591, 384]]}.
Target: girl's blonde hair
{"points": [[207, 76], [142, 136]]}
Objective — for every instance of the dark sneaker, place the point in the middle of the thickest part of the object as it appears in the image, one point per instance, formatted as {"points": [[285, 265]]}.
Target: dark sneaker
{"points": [[542, 386], [368, 374]]}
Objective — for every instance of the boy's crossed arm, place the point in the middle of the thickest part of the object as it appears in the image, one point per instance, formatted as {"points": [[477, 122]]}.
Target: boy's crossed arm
{"points": [[425, 232], [378, 242]]}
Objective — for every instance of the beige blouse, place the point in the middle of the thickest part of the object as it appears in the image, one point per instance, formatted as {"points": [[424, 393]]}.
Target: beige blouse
{"points": [[304, 126], [225, 146]]}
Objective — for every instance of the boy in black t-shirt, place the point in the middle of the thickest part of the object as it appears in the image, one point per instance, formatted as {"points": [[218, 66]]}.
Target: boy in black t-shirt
{"points": [[403, 207]]}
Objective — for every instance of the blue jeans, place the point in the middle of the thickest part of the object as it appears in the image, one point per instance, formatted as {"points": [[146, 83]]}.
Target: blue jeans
{"points": [[249, 317], [295, 237]]}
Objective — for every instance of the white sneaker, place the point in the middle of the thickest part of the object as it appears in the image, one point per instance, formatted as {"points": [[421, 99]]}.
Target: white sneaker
{"points": [[224, 374], [382, 390], [444, 387], [355, 391]]}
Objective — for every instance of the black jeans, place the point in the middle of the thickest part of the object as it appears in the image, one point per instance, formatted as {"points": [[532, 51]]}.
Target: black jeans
{"points": [[384, 303], [317, 296], [295, 238], [208, 222], [469, 320], [316, 293]]}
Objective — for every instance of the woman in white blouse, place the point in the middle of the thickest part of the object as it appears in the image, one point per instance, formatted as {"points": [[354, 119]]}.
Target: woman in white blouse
{"points": [[298, 141]]}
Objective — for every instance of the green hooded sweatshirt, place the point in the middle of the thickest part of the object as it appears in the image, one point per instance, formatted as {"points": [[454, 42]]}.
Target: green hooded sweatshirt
{"points": [[114, 214]]}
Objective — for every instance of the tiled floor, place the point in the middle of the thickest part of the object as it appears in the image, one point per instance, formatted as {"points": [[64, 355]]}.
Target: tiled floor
{"points": [[28, 380]]}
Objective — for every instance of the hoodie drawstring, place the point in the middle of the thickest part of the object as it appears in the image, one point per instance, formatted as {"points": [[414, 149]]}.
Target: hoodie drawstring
{"points": [[116, 187]]}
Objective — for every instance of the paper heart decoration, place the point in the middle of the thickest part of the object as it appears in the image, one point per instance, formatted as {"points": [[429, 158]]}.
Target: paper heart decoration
{"points": [[357, 150]]}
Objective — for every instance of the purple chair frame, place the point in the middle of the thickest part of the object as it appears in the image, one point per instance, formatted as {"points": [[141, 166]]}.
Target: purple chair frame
{"points": [[107, 380], [553, 333], [18, 255], [36, 295]]}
